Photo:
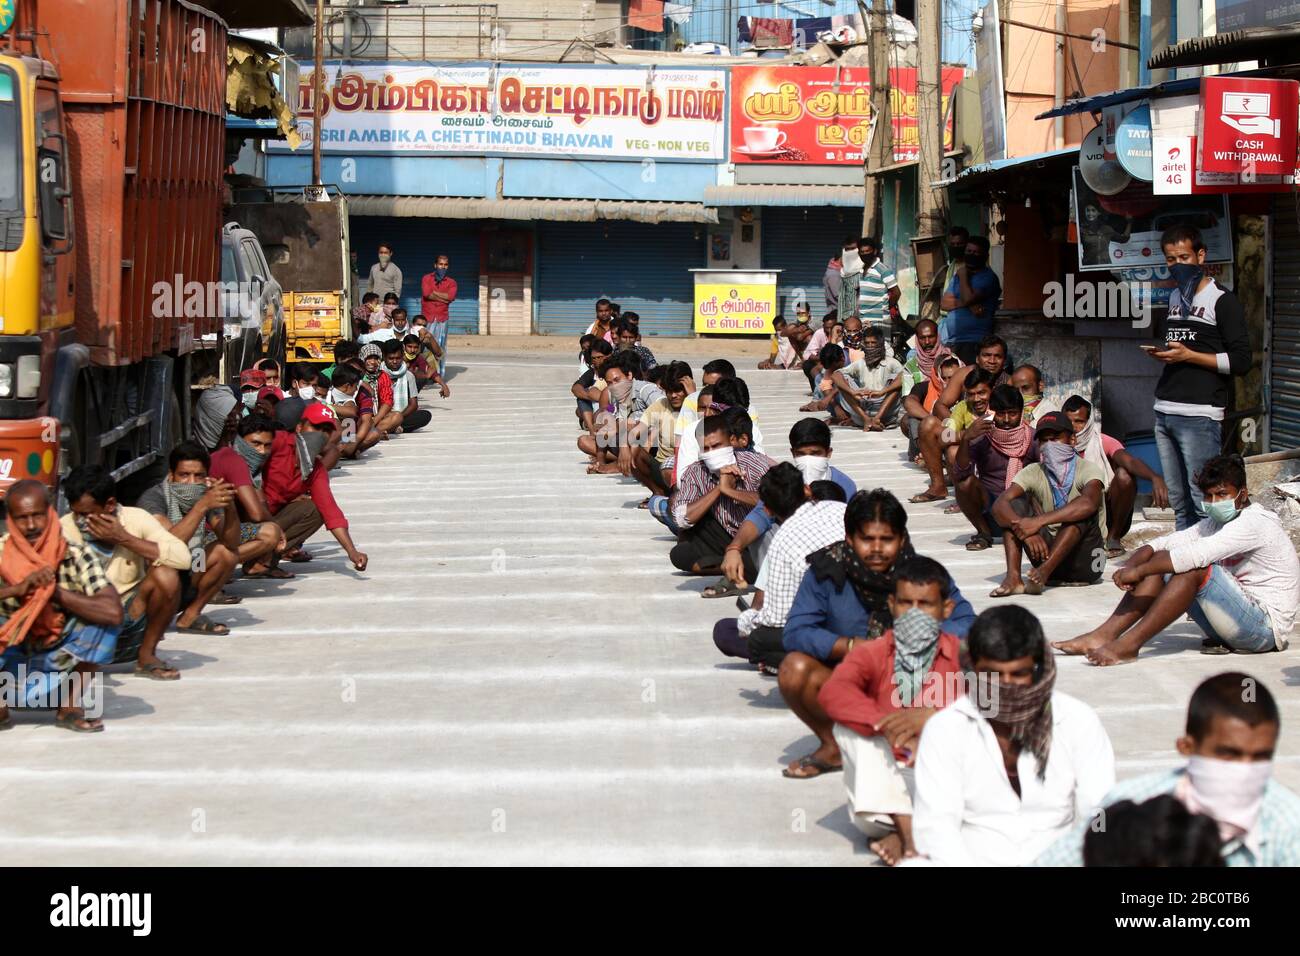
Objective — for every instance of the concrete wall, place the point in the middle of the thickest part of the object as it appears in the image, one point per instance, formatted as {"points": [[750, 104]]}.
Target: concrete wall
{"points": [[1251, 269]]}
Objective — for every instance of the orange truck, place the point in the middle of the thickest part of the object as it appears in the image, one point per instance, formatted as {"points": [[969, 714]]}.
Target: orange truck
{"points": [[112, 154]]}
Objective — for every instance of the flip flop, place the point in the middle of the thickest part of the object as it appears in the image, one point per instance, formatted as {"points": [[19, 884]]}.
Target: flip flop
{"points": [[221, 597], [1211, 646], [72, 722], [298, 556], [821, 766], [722, 588], [203, 625], [925, 498], [275, 574], [156, 671], [979, 542]]}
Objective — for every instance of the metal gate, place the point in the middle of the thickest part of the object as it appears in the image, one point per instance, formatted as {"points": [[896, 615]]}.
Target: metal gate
{"points": [[1284, 340], [800, 242], [416, 242]]}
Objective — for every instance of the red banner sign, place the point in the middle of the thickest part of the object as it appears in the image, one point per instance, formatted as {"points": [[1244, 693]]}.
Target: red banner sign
{"points": [[1248, 125], [808, 114]]}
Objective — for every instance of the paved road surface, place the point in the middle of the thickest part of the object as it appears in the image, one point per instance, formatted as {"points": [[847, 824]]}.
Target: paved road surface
{"points": [[519, 677]]}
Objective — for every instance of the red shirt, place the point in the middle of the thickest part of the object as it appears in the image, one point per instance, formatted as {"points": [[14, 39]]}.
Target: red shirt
{"points": [[861, 691], [434, 309], [283, 483], [227, 465], [381, 390]]}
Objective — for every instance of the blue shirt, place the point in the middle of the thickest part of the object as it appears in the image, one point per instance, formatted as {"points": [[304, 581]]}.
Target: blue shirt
{"points": [[822, 614], [1277, 830], [963, 325], [763, 521]]}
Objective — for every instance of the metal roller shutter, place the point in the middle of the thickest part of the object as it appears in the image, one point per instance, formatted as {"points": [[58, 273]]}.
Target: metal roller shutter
{"points": [[800, 241], [416, 242], [1284, 344], [643, 267]]}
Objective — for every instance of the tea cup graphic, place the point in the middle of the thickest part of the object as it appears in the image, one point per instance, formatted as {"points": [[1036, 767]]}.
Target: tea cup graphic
{"points": [[763, 139]]}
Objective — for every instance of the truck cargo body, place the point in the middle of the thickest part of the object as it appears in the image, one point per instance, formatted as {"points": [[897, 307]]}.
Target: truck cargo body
{"points": [[124, 105]]}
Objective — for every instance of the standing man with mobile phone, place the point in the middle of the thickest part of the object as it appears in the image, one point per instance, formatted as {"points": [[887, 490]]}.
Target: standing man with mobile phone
{"points": [[1206, 344]]}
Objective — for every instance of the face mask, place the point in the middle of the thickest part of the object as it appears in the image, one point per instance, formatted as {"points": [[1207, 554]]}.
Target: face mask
{"points": [[249, 399], [186, 494], [621, 390], [1005, 426], [440, 274], [1230, 791], [412, 356], [1056, 455], [868, 259], [307, 392], [1221, 512], [974, 262], [956, 253], [813, 468], [252, 457], [1188, 275], [309, 446], [719, 458], [83, 525], [384, 258]]}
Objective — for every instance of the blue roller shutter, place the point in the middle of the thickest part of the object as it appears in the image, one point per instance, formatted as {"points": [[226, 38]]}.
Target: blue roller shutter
{"points": [[416, 243], [643, 267], [1284, 343], [800, 241]]}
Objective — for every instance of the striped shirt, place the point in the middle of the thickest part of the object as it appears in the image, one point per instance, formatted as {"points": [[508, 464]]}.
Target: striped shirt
{"points": [[814, 526], [873, 294], [697, 481], [1275, 841]]}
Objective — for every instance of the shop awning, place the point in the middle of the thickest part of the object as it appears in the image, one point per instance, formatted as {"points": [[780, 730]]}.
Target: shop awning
{"points": [[1095, 104], [553, 210], [756, 195], [1018, 163], [1271, 46], [259, 14]]}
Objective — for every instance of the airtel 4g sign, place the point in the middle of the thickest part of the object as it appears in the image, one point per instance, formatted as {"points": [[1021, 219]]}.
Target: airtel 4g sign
{"points": [[1248, 126]]}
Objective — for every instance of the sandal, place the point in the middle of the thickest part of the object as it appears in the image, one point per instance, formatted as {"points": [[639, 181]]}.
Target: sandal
{"points": [[275, 574], [79, 723], [722, 588], [297, 556], [925, 498], [821, 766], [221, 597], [158, 670], [1214, 647], [979, 542], [7, 721], [203, 625]]}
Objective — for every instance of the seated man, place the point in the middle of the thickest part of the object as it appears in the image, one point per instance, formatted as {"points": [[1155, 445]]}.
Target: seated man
{"points": [[58, 613], [822, 337], [1120, 472], [1029, 381], [810, 449], [201, 512], [1014, 764], [401, 326], [843, 600], [628, 338], [883, 694], [803, 526], [428, 341], [939, 439], [925, 356], [407, 415], [627, 396], [380, 387], [1055, 510], [589, 385], [365, 313], [716, 493], [271, 369], [297, 485], [240, 465], [415, 361], [989, 456], [251, 383], [652, 440], [1235, 573], [937, 434], [918, 403], [868, 389], [302, 380], [1230, 742], [784, 354], [141, 561], [344, 349], [354, 406]]}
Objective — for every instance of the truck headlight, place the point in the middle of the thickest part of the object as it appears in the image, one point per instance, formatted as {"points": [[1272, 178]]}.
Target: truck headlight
{"points": [[29, 376], [6, 381]]}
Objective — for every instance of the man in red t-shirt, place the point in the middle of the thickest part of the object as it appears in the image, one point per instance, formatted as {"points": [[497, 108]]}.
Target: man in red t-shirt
{"points": [[438, 292], [239, 463], [297, 485]]}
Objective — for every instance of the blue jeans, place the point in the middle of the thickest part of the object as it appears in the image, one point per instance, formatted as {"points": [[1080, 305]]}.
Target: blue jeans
{"points": [[1185, 444], [663, 513], [1227, 614]]}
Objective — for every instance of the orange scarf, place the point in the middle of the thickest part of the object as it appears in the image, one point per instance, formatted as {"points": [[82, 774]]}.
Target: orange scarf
{"points": [[37, 617]]}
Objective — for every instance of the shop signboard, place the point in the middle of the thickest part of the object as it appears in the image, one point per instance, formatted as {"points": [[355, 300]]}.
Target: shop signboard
{"points": [[1174, 149], [541, 111], [1232, 15], [730, 301], [1133, 143], [1248, 126]]}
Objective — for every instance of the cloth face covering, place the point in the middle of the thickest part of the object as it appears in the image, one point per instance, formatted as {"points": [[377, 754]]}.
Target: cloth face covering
{"points": [[916, 641], [37, 619], [181, 499], [309, 445], [1015, 444], [840, 563], [1059, 462], [718, 458], [621, 390], [1229, 791], [1088, 444], [928, 362], [813, 468], [874, 354], [253, 458], [1188, 276], [1026, 710]]}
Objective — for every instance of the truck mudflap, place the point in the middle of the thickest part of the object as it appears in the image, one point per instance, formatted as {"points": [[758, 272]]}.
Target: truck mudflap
{"points": [[29, 448]]}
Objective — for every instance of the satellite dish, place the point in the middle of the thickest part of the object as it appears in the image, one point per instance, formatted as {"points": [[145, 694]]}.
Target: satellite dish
{"points": [[1099, 168]]}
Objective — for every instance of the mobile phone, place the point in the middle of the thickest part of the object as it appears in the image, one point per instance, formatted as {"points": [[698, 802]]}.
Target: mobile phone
{"points": [[742, 604], [1149, 348]]}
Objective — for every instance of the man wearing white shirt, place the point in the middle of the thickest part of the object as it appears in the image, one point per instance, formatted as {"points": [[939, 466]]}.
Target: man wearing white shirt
{"points": [[1008, 769], [1235, 573]]}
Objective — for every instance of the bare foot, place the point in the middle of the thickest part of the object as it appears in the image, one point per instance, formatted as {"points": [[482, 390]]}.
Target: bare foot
{"points": [[1116, 652], [1083, 643], [1034, 583], [1011, 585], [889, 849]]}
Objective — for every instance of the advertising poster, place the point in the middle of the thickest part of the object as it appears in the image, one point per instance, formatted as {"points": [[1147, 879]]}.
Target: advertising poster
{"points": [[1123, 231], [806, 114], [735, 302], [538, 111]]}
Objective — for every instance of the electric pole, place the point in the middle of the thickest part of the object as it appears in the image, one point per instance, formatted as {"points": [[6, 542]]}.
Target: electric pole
{"points": [[931, 205], [881, 153], [318, 93]]}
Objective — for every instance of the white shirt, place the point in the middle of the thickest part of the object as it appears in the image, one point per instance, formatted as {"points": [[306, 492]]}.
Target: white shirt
{"points": [[379, 335], [816, 524], [690, 432], [967, 814], [1255, 549]]}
